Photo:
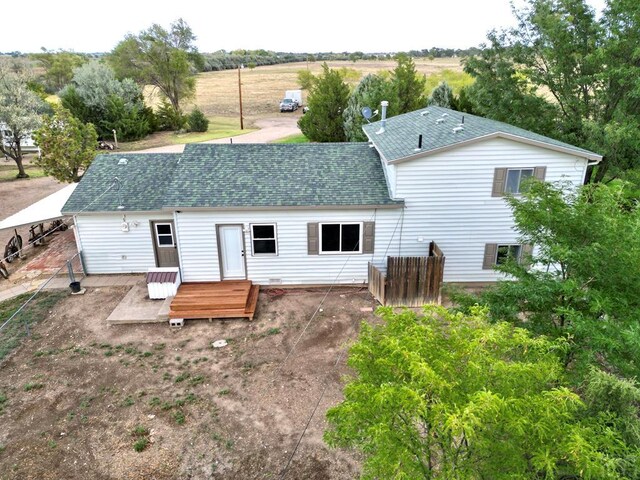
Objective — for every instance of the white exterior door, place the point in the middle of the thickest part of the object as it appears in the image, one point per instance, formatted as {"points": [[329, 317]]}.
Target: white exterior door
{"points": [[231, 252]]}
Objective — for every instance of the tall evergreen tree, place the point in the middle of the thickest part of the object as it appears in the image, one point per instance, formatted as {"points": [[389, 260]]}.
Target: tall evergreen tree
{"points": [[371, 90], [408, 87], [327, 101]]}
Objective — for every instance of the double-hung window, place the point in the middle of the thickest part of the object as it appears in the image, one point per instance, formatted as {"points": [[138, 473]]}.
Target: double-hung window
{"points": [[264, 239], [164, 235], [508, 252], [341, 238], [515, 178]]}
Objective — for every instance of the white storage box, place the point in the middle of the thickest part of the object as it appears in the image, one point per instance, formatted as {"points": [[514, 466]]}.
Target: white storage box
{"points": [[163, 282]]}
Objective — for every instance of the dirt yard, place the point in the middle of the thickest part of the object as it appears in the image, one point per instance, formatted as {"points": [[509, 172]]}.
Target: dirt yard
{"points": [[18, 194], [80, 394]]}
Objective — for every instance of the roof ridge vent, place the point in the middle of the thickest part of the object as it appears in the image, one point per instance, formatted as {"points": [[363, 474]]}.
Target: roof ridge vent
{"points": [[445, 114], [458, 129], [122, 161], [424, 112], [439, 121]]}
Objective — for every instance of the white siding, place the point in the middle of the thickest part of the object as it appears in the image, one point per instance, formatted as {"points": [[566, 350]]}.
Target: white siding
{"points": [[199, 251], [448, 200], [107, 249]]}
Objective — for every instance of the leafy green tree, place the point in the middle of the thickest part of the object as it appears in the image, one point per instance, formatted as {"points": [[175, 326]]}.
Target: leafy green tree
{"points": [[442, 96], [371, 90], [59, 67], [408, 87], [96, 96], [564, 73], [20, 114], [442, 396], [585, 276], [306, 79], [197, 121], [67, 145], [165, 59], [327, 101]]}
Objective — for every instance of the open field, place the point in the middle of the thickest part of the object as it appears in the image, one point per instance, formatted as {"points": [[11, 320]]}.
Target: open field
{"points": [[78, 398], [263, 87]]}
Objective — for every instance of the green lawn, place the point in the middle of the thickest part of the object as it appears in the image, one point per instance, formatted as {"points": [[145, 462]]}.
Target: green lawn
{"points": [[36, 310], [219, 127], [300, 138], [9, 170]]}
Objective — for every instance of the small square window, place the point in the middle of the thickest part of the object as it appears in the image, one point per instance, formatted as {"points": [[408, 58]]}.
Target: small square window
{"points": [[515, 177], [263, 239], [506, 252], [164, 235]]}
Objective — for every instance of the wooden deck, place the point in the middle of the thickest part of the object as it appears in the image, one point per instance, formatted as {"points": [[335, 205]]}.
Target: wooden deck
{"points": [[228, 299]]}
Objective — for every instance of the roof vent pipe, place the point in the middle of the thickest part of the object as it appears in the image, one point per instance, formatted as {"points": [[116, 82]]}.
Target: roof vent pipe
{"points": [[420, 141], [383, 119]]}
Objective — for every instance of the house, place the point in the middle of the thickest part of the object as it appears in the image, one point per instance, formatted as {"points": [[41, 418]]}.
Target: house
{"points": [[311, 214]]}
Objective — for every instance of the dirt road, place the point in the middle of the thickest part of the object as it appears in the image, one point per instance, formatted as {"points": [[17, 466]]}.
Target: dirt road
{"points": [[271, 129]]}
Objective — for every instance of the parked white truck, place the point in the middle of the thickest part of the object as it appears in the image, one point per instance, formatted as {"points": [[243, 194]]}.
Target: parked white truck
{"points": [[292, 101]]}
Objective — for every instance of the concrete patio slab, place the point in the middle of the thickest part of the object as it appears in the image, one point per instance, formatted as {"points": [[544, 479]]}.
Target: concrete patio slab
{"points": [[136, 307]]}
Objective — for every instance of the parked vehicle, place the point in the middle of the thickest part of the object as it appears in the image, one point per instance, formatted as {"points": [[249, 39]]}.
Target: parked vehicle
{"points": [[295, 95], [288, 105]]}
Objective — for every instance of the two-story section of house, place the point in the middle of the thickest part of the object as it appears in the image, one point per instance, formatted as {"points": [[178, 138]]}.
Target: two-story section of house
{"points": [[452, 171], [313, 214]]}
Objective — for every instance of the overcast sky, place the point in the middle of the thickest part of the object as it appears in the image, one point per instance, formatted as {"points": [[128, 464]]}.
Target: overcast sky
{"points": [[280, 25]]}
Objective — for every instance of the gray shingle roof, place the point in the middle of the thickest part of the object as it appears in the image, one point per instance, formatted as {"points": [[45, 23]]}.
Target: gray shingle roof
{"points": [[401, 134], [143, 183], [265, 175], [238, 175]]}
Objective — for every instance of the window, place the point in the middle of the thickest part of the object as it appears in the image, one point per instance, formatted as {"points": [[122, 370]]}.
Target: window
{"points": [[340, 238], [263, 239], [164, 234], [515, 178], [506, 252]]}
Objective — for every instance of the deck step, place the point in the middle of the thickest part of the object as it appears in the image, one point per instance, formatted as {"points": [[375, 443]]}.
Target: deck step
{"points": [[227, 299]]}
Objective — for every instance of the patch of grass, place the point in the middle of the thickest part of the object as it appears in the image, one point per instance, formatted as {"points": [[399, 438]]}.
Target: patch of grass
{"points": [[300, 138], [127, 402], [141, 444], [224, 391], [108, 353], [146, 354], [154, 402], [159, 346], [2, 448], [3, 402], [32, 386], [36, 310], [52, 444], [182, 377], [9, 170], [85, 402], [197, 380], [140, 431], [273, 331], [455, 79], [179, 417], [166, 376]]}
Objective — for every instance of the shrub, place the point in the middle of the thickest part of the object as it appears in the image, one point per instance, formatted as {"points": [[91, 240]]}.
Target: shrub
{"points": [[169, 118], [197, 121]]}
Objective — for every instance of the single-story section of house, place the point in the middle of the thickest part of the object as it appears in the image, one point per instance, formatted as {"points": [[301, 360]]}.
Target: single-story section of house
{"points": [[305, 214]]}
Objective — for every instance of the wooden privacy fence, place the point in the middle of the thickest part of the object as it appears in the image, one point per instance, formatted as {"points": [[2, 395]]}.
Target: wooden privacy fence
{"points": [[409, 281]]}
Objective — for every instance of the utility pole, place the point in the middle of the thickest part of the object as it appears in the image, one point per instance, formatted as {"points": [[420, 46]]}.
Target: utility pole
{"points": [[240, 95]]}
